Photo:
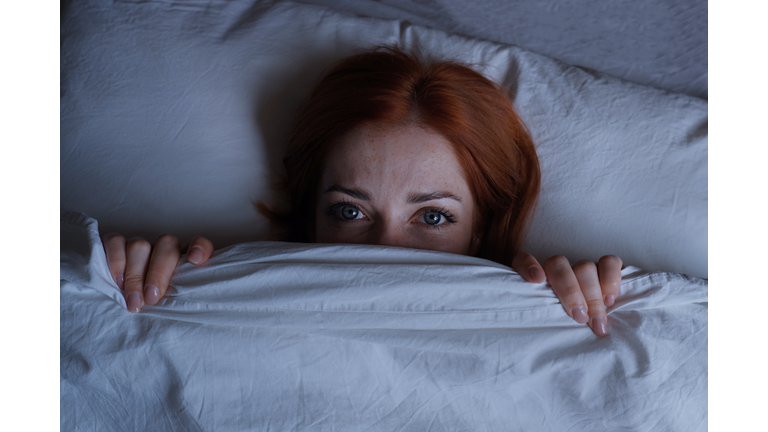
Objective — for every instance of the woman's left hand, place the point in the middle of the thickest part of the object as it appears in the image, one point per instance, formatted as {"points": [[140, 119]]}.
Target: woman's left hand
{"points": [[584, 290]]}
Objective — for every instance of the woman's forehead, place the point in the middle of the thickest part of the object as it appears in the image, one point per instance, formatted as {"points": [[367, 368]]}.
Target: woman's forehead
{"points": [[405, 148]]}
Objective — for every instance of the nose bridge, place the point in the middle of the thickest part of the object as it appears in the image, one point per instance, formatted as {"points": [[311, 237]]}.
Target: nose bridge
{"points": [[391, 234]]}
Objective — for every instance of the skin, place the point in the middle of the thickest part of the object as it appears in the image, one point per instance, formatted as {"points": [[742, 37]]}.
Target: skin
{"points": [[144, 272], [395, 181], [390, 186]]}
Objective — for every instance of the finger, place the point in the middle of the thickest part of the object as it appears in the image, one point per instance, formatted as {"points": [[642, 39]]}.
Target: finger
{"points": [[165, 256], [137, 252], [199, 250], [114, 247], [586, 274], [527, 266], [566, 286], [609, 270]]}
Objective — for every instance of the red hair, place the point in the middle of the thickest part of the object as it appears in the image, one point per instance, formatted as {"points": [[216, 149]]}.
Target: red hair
{"points": [[390, 87]]}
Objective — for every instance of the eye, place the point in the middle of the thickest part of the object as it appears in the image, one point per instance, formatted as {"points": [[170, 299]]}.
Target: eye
{"points": [[433, 217], [345, 211], [436, 218], [349, 212]]}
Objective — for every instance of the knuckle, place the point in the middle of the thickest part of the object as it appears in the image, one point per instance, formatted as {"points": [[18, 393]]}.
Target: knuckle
{"points": [[159, 280], [595, 304], [571, 289], [611, 260], [133, 281], [584, 266], [113, 239], [168, 240], [524, 256], [110, 236], [557, 263], [138, 245], [523, 261]]}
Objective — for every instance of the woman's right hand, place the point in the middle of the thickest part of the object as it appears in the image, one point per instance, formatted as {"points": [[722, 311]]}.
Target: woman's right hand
{"points": [[143, 271]]}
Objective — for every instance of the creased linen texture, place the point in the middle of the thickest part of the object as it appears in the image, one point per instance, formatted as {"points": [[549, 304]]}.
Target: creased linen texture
{"points": [[281, 336]]}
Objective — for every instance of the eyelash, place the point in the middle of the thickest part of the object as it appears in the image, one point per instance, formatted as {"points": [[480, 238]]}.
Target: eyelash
{"points": [[449, 217], [334, 209]]}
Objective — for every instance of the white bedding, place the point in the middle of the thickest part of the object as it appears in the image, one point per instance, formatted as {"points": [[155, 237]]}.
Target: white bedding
{"points": [[279, 336], [174, 117]]}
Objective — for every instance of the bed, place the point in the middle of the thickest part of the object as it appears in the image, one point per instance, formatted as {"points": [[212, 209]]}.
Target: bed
{"points": [[173, 114]]}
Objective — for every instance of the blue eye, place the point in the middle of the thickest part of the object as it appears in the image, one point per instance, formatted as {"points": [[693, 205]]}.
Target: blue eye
{"points": [[345, 211], [348, 212], [437, 218], [433, 217]]}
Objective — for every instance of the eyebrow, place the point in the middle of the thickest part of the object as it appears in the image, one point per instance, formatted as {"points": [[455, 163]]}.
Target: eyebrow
{"points": [[413, 198], [360, 194]]}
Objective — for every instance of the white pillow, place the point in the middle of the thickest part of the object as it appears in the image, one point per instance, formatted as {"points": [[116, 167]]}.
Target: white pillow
{"points": [[174, 117]]}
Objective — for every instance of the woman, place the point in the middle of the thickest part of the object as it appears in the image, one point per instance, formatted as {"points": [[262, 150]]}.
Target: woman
{"points": [[390, 150]]}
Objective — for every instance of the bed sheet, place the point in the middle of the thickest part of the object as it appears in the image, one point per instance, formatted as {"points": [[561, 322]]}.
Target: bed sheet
{"points": [[279, 336], [174, 117]]}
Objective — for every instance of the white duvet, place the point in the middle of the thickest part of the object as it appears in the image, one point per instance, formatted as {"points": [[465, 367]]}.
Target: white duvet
{"points": [[281, 336]]}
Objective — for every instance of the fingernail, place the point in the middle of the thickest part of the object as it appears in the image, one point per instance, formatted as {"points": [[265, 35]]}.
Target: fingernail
{"points": [[580, 314], [195, 255], [134, 302], [151, 295], [534, 272], [120, 281], [600, 325], [609, 300]]}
